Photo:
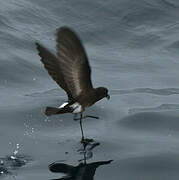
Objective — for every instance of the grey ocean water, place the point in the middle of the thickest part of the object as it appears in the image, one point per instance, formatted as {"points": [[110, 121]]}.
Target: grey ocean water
{"points": [[133, 50]]}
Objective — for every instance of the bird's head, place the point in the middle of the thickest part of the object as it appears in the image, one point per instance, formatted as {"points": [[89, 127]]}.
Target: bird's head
{"points": [[102, 92]]}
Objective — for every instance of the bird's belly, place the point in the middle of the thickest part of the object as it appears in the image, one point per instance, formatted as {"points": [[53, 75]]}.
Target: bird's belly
{"points": [[77, 108]]}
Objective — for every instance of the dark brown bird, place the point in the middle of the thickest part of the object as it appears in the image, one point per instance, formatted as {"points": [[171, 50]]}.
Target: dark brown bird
{"points": [[72, 72]]}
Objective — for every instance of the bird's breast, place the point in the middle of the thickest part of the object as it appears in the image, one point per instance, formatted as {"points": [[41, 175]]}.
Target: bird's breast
{"points": [[87, 98]]}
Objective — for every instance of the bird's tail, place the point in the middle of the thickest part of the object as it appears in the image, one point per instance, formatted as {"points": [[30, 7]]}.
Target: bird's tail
{"points": [[53, 110]]}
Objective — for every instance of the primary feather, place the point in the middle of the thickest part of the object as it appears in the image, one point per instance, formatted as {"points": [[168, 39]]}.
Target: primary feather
{"points": [[71, 69], [51, 64], [73, 62]]}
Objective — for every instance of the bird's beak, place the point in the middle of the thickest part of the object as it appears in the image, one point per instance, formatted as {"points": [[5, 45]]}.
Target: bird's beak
{"points": [[108, 96]]}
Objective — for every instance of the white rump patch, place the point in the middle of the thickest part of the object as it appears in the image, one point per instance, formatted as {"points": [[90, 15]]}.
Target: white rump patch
{"points": [[63, 105], [77, 108]]}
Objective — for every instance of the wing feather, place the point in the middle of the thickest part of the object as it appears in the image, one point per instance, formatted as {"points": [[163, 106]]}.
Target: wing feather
{"points": [[73, 62], [51, 64]]}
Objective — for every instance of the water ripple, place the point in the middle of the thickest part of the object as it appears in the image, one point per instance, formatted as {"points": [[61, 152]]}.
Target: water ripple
{"points": [[11, 162], [162, 107], [162, 92]]}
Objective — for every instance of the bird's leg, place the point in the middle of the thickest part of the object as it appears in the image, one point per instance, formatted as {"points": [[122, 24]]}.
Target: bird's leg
{"points": [[81, 117], [88, 116], [84, 117], [83, 140]]}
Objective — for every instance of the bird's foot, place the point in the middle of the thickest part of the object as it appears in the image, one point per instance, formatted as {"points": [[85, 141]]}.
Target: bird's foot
{"points": [[84, 117], [88, 116], [86, 141]]}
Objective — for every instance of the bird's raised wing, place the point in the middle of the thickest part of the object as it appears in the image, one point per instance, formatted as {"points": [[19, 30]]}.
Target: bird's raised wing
{"points": [[73, 62], [51, 63]]}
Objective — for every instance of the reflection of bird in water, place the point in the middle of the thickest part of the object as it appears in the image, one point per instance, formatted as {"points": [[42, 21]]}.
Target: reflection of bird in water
{"points": [[72, 72], [86, 150], [83, 171]]}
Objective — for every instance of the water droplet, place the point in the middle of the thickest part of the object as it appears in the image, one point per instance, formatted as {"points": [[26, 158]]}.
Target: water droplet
{"points": [[13, 157], [17, 145], [1, 162], [15, 152]]}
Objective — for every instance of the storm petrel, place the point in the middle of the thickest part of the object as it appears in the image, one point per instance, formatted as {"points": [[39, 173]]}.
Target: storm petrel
{"points": [[72, 72]]}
